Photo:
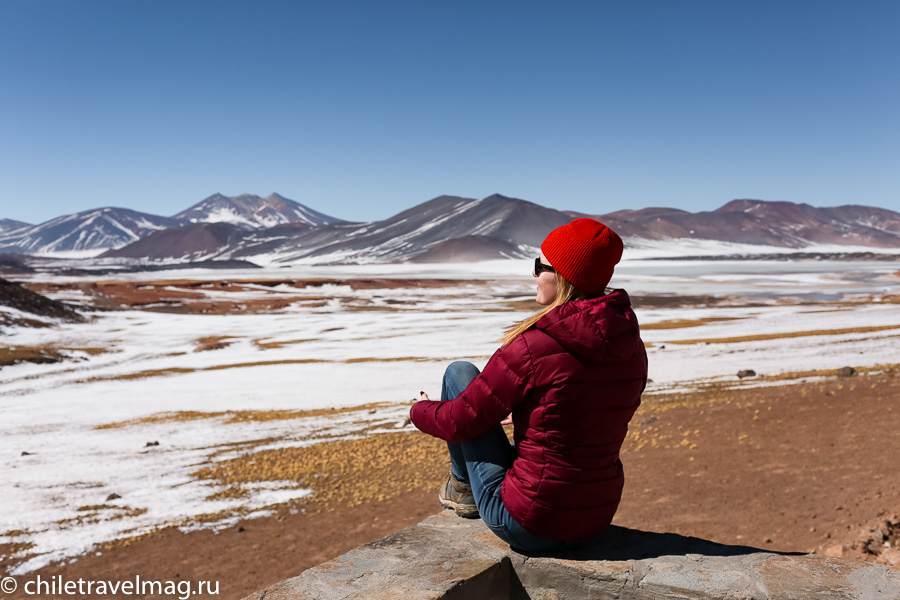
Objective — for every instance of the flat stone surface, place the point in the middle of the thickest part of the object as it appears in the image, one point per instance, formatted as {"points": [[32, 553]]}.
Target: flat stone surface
{"points": [[451, 558]]}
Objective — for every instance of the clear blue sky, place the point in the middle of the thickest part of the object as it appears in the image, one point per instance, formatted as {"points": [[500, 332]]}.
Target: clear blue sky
{"points": [[362, 109]]}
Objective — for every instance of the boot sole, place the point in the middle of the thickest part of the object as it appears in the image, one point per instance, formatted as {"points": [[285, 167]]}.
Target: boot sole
{"points": [[466, 511]]}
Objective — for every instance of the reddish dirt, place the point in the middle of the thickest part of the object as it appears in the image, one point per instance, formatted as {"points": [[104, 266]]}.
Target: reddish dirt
{"points": [[818, 461], [247, 556], [191, 295], [794, 468]]}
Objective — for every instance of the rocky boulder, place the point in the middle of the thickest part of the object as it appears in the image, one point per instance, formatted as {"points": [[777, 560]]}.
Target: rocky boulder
{"points": [[445, 557]]}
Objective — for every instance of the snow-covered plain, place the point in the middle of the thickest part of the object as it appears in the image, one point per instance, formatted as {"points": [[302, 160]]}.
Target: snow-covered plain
{"points": [[134, 376]]}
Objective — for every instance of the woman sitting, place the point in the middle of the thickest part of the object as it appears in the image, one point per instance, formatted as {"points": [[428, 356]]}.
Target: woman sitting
{"points": [[572, 377]]}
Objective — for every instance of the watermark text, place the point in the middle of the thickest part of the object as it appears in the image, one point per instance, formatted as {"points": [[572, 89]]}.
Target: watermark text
{"points": [[57, 585]]}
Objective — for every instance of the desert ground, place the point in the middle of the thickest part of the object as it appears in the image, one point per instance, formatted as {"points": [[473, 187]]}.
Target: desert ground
{"points": [[242, 429]]}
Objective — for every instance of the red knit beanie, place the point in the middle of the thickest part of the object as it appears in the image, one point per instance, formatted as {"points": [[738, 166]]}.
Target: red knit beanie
{"points": [[584, 252]]}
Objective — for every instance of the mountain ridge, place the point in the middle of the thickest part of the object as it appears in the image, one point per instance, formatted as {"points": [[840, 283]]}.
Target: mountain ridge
{"points": [[111, 228], [251, 211], [443, 228], [762, 222], [12, 225], [84, 231]]}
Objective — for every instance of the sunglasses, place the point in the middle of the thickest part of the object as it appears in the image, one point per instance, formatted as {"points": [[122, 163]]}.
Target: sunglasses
{"points": [[539, 267]]}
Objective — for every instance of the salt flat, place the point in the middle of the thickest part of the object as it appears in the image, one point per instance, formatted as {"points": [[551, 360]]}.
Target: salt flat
{"points": [[135, 376]]}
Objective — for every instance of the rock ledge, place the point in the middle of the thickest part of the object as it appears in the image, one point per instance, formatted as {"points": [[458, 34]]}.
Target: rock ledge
{"points": [[445, 557]]}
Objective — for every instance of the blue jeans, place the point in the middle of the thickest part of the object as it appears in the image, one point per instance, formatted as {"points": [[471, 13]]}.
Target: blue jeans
{"points": [[483, 463]]}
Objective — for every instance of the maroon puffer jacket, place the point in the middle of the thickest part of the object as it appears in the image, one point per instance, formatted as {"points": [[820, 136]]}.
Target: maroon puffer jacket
{"points": [[572, 383]]}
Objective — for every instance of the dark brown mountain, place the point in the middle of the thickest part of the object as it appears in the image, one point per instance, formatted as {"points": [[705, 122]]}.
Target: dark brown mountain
{"points": [[190, 242], [783, 224], [14, 264], [471, 248]]}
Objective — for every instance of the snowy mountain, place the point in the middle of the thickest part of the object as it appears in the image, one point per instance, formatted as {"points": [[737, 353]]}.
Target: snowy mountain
{"points": [[11, 225], [444, 229], [252, 212], [90, 230], [112, 228], [495, 227]]}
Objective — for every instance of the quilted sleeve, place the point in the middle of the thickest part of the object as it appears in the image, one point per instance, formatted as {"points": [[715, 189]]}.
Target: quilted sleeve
{"points": [[504, 382]]}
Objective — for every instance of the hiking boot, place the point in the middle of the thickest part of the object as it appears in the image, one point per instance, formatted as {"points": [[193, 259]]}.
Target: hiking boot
{"points": [[458, 496]]}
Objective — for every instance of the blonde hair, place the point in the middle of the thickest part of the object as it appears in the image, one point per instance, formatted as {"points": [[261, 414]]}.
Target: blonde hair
{"points": [[565, 292]]}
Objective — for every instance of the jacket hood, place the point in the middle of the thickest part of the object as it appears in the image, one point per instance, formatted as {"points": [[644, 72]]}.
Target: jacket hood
{"points": [[597, 328]]}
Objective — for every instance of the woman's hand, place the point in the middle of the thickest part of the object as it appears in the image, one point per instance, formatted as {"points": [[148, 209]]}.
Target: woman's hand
{"points": [[507, 421]]}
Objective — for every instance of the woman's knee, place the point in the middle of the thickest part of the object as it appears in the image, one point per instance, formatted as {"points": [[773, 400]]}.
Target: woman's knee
{"points": [[457, 376], [461, 369]]}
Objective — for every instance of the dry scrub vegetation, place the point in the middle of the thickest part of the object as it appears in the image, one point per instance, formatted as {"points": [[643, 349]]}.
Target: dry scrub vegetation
{"points": [[684, 323], [243, 416], [348, 472], [214, 342], [146, 374], [11, 355], [189, 296], [380, 466], [785, 335]]}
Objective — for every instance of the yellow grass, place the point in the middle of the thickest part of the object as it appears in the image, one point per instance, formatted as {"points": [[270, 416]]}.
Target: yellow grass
{"points": [[348, 472], [9, 549], [366, 359], [890, 367], [261, 363], [228, 493], [93, 351], [790, 334], [141, 374], [382, 466], [96, 507], [259, 343], [713, 391], [378, 467], [522, 305], [683, 323], [92, 514], [13, 533], [243, 416], [48, 354], [213, 342]]}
